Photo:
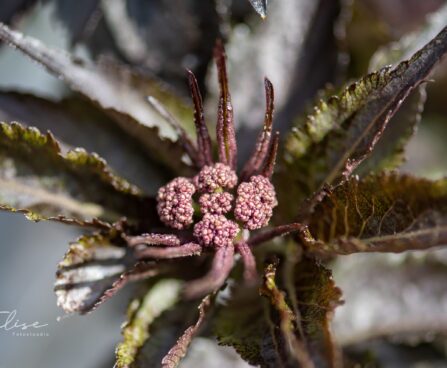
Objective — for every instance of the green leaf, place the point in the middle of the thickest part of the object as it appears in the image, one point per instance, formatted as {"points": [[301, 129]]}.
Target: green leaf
{"points": [[113, 88], [342, 131], [140, 316], [94, 269], [78, 123], [381, 213], [39, 179]]}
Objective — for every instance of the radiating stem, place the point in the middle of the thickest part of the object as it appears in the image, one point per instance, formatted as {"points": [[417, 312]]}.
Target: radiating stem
{"points": [[185, 250], [277, 231], [220, 269], [263, 141], [249, 261], [225, 131], [203, 137]]}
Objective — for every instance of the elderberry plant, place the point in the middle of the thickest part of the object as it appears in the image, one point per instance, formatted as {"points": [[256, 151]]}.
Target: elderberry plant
{"points": [[247, 244]]}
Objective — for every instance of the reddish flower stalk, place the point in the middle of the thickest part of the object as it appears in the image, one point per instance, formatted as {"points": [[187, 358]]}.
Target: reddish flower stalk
{"points": [[203, 137], [185, 250], [153, 239], [249, 261], [226, 134], [220, 269], [263, 141]]}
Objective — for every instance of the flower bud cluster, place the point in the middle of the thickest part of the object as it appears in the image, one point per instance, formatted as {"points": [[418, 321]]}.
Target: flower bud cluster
{"points": [[216, 231], [255, 202], [216, 203], [217, 176], [174, 203], [253, 208]]}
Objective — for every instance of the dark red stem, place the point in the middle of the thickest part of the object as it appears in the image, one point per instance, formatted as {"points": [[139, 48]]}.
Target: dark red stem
{"points": [[185, 250], [269, 165], [220, 269], [203, 137], [225, 131], [273, 233], [249, 261], [263, 141]]}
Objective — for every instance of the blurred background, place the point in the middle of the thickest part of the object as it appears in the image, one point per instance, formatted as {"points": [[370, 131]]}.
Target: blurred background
{"points": [[302, 46]]}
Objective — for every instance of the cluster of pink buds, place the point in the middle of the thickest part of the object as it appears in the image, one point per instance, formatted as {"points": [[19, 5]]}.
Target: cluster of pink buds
{"points": [[175, 203], [213, 207], [255, 202]]}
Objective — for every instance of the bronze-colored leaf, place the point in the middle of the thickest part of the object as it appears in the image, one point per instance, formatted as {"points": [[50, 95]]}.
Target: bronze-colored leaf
{"points": [[243, 323], [37, 178], [288, 323], [381, 213], [317, 297], [342, 131], [293, 328], [114, 88]]}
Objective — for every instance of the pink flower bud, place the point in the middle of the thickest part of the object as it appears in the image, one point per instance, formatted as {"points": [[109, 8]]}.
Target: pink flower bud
{"points": [[175, 203], [215, 231], [255, 202], [216, 203], [214, 177]]}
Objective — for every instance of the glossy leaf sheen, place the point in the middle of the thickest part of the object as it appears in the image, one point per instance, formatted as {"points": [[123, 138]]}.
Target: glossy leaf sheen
{"points": [[38, 179]]}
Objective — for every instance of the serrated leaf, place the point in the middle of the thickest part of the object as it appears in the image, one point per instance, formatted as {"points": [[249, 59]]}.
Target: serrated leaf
{"points": [[291, 331], [390, 150], [141, 314], [94, 269], [317, 296], [243, 324], [77, 123], [112, 87], [381, 213], [178, 351], [343, 130], [287, 320], [37, 178]]}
